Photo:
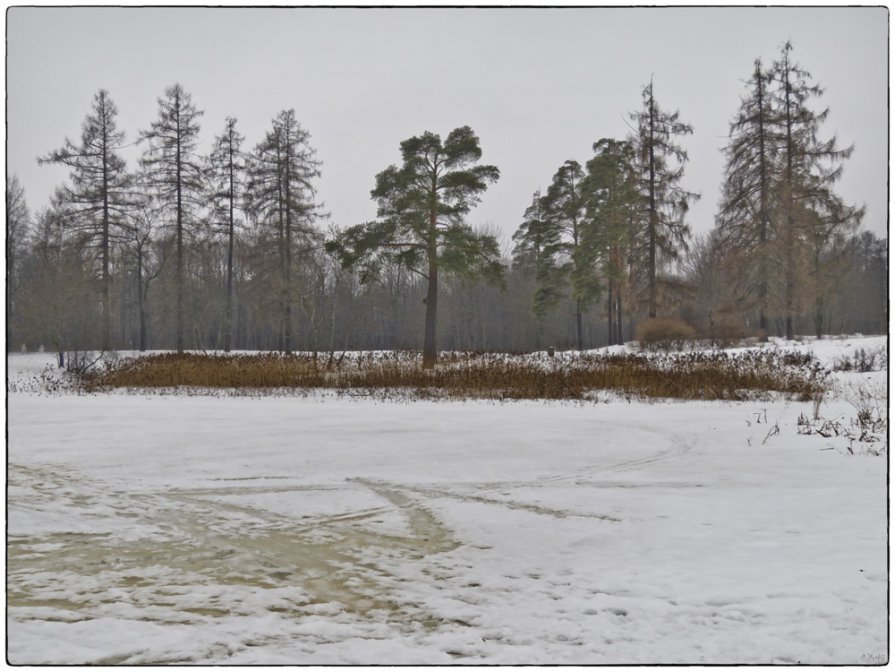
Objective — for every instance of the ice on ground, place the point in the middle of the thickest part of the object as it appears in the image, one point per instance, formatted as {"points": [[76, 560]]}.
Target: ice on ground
{"points": [[148, 529]]}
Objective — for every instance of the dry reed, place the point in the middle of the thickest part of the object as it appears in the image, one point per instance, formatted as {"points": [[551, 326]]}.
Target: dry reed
{"points": [[693, 375]]}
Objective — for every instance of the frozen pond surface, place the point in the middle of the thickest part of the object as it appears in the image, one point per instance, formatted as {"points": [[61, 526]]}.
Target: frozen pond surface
{"points": [[195, 529]]}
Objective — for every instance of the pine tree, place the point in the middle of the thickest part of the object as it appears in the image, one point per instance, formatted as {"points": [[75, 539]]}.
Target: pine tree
{"points": [[174, 174], [663, 233], [99, 198], [227, 172], [421, 209], [611, 203], [529, 237], [529, 257], [563, 263], [281, 194]]}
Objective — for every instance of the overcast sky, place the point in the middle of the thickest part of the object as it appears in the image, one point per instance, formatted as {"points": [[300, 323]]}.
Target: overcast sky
{"points": [[538, 86]]}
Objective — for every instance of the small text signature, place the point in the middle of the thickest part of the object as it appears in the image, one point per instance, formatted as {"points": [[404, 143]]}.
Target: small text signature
{"points": [[874, 658]]}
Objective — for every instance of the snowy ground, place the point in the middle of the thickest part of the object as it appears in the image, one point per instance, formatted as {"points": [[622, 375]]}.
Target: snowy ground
{"points": [[199, 529]]}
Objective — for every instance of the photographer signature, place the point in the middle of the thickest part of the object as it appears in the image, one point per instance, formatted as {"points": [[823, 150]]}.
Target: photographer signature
{"points": [[880, 658]]}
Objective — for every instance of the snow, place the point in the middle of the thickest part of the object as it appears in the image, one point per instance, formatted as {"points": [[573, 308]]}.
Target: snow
{"points": [[319, 530]]}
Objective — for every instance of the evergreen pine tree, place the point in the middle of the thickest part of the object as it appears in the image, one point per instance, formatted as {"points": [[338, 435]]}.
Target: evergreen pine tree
{"points": [[611, 203], [421, 209]]}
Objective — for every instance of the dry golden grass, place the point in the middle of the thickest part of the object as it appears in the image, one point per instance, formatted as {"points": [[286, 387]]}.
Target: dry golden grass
{"points": [[694, 375]]}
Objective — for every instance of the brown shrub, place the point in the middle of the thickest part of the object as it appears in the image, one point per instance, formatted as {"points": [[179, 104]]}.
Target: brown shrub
{"points": [[728, 333], [661, 333], [694, 375]]}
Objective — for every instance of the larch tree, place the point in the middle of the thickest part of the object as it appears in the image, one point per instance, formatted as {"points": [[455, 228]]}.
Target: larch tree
{"points": [[99, 197], [663, 232], [175, 176], [810, 167], [226, 171], [17, 230], [281, 194], [744, 220], [421, 210]]}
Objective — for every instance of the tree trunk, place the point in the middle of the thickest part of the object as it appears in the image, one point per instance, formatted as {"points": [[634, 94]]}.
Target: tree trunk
{"points": [[618, 319], [10, 288], [107, 298], [789, 257], [287, 339], [430, 350], [579, 334], [763, 215], [143, 331], [818, 296], [653, 215], [228, 330], [180, 278], [609, 316], [141, 304]]}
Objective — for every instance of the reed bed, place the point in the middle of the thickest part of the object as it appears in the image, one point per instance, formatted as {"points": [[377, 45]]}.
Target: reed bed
{"points": [[693, 375]]}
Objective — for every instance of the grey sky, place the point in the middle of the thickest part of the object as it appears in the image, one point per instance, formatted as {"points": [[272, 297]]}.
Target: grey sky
{"points": [[539, 86]]}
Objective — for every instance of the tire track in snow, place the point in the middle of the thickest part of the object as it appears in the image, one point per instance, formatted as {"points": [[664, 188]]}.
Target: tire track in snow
{"points": [[197, 542], [507, 504], [681, 444]]}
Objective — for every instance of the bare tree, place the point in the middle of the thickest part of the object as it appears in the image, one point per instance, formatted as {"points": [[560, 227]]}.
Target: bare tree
{"points": [[809, 209], [99, 197], [281, 195], [174, 174], [227, 172], [17, 231], [744, 218]]}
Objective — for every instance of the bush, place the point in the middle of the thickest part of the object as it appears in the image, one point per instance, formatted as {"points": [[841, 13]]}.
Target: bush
{"points": [[863, 361], [729, 334], [399, 375], [664, 334]]}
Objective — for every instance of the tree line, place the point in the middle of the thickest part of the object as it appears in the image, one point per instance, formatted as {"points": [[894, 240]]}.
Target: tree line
{"points": [[229, 249]]}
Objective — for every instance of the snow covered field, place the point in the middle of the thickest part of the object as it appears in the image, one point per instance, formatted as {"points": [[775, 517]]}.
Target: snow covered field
{"points": [[285, 530]]}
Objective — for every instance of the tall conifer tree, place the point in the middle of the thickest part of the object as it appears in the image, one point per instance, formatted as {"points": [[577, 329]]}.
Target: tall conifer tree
{"points": [[744, 220], [227, 176], [99, 198], [421, 225], [281, 195], [809, 209], [174, 173], [663, 232]]}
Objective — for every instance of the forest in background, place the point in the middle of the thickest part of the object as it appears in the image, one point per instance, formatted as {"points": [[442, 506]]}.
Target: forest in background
{"points": [[231, 250]]}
